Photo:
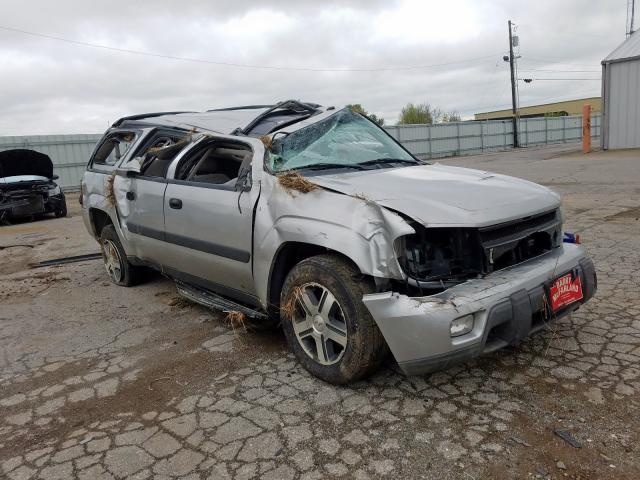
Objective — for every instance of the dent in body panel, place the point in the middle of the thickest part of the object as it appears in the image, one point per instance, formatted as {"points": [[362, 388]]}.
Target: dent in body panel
{"points": [[94, 187], [361, 230]]}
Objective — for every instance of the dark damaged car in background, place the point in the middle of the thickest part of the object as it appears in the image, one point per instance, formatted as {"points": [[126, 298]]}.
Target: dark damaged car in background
{"points": [[27, 186], [315, 218]]}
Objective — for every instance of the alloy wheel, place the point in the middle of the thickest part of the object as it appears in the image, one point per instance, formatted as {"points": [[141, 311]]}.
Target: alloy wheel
{"points": [[112, 260], [319, 324]]}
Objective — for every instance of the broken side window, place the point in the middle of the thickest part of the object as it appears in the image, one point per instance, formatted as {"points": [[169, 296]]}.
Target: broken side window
{"points": [[158, 154], [217, 163], [114, 148]]}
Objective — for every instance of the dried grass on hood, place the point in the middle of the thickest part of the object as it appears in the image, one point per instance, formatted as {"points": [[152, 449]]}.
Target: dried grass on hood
{"points": [[110, 193], [294, 182], [236, 319]]}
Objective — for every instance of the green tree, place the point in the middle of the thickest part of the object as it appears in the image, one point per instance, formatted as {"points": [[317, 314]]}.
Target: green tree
{"points": [[451, 117], [356, 107], [420, 113]]}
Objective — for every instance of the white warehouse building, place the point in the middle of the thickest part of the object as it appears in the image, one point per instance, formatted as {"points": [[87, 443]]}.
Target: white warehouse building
{"points": [[621, 96]]}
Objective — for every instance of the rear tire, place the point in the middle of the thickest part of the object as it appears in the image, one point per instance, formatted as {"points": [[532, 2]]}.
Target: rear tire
{"points": [[120, 271], [330, 331]]}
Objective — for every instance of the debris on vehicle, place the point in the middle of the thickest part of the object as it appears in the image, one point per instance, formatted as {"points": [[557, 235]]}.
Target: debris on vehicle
{"points": [[28, 187], [432, 263], [363, 197], [110, 193], [267, 141], [294, 182], [289, 306]]}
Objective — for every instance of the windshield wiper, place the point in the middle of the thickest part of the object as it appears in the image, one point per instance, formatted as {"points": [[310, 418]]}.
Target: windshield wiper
{"points": [[327, 166], [383, 161]]}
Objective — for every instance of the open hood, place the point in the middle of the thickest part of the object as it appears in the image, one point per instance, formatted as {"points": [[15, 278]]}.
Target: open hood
{"points": [[25, 162], [439, 195]]}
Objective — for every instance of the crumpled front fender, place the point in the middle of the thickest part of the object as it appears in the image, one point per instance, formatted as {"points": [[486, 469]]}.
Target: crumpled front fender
{"points": [[360, 229]]}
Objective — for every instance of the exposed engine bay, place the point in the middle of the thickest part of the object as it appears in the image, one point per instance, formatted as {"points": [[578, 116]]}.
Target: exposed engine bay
{"points": [[437, 258], [27, 186]]}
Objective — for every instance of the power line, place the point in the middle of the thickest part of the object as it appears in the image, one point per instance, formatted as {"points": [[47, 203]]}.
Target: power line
{"points": [[555, 32], [557, 71], [541, 101], [561, 79], [241, 65], [552, 61]]}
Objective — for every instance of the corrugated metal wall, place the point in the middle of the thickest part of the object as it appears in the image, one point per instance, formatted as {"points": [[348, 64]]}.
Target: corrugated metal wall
{"points": [[622, 104], [70, 153], [469, 138]]}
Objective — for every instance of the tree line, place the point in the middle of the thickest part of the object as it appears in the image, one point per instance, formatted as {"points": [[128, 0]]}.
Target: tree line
{"points": [[412, 113]]}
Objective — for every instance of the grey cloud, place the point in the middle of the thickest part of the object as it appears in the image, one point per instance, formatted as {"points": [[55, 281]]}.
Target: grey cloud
{"points": [[55, 87]]}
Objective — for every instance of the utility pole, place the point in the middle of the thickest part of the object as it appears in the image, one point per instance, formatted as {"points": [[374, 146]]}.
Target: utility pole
{"points": [[514, 107]]}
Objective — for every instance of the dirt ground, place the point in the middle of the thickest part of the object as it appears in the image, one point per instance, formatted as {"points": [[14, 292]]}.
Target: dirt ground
{"points": [[101, 382]]}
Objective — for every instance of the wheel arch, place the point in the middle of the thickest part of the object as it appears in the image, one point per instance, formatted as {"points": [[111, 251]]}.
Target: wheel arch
{"points": [[288, 255], [99, 219]]}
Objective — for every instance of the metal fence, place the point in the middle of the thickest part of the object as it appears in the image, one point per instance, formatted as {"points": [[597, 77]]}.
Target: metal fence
{"points": [[70, 153], [469, 138]]}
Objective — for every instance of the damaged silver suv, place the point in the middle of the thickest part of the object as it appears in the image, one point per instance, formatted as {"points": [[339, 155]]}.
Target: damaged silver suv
{"points": [[315, 218]]}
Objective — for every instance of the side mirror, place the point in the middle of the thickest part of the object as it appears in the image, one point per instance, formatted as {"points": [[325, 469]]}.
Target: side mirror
{"points": [[55, 177]]}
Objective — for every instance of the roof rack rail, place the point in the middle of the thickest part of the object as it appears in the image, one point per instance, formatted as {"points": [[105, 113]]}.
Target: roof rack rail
{"points": [[311, 108], [142, 116], [244, 107]]}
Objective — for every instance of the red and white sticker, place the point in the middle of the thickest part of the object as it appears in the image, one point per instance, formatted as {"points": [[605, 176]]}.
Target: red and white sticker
{"points": [[565, 290]]}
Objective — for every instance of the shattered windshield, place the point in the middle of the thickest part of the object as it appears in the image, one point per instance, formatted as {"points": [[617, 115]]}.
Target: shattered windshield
{"points": [[344, 139]]}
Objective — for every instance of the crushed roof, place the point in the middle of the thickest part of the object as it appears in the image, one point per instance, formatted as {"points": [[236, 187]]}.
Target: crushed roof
{"points": [[219, 121]]}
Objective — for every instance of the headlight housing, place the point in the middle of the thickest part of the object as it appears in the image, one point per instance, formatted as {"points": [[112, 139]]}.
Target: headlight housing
{"points": [[55, 190]]}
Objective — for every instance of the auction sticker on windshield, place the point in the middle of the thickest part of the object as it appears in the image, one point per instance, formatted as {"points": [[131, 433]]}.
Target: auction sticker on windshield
{"points": [[565, 291]]}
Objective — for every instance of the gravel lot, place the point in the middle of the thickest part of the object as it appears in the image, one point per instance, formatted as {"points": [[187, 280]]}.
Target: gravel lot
{"points": [[101, 382]]}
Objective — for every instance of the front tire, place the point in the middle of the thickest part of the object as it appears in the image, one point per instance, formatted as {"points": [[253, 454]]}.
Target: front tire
{"points": [[330, 331], [120, 271]]}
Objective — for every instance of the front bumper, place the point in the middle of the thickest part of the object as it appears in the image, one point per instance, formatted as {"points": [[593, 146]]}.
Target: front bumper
{"points": [[32, 204], [507, 306]]}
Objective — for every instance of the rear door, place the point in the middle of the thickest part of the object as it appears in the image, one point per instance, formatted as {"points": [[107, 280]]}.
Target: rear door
{"points": [[107, 155], [141, 197], [209, 205]]}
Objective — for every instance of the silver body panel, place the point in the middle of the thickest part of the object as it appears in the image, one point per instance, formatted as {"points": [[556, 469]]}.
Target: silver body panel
{"points": [[440, 195], [417, 328], [230, 237], [211, 219]]}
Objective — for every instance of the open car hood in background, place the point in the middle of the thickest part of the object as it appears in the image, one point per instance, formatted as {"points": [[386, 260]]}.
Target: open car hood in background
{"points": [[25, 162]]}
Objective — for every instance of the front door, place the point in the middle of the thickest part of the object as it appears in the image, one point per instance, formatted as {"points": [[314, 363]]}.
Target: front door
{"points": [[208, 211]]}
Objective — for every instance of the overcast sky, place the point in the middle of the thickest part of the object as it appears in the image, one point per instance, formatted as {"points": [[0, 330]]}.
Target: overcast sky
{"points": [[321, 51]]}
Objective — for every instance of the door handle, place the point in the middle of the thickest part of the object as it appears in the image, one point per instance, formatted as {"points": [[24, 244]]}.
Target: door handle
{"points": [[175, 203], [131, 195]]}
